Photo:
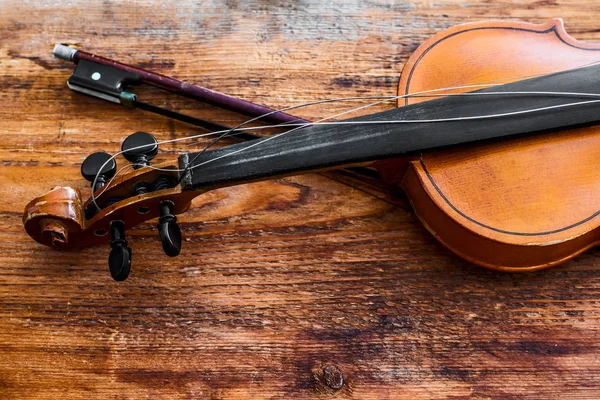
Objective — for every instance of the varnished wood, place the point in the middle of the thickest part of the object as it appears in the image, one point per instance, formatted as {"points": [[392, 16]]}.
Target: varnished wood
{"points": [[522, 204], [279, 280]]}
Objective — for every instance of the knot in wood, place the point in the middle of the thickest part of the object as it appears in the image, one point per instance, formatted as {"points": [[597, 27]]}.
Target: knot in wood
{"points": [[333, 377]]}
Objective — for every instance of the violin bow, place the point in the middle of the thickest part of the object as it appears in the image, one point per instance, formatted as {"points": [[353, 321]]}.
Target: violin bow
{"points": [[111, 80]]}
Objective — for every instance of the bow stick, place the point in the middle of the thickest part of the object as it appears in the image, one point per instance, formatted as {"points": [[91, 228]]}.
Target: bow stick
{"points": [[111, 80]]}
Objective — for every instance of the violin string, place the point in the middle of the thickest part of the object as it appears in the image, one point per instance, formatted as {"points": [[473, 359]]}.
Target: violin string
{"points": [[199, 154], [416, 94], [298, 126], [319, 122], [339, 99], [495, 82], [107, 184], [287, 124], [389, 122], [230, 131], [429, 93], [190, 164], [386, 98]]}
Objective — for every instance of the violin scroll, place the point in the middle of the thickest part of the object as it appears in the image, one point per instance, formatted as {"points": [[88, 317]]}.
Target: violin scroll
{"points": [[52, 219], [62, 220]]}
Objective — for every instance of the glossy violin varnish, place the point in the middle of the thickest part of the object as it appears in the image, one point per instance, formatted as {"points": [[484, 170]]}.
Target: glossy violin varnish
{"points": [[519, 204]]}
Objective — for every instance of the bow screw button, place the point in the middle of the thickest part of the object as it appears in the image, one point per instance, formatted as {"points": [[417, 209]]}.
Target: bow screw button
{"points": [[168, 230], [119, 260], [139, 148], [90, 168]]}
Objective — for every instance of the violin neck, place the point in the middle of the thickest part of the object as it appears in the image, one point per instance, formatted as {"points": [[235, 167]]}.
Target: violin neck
{"points": [[321, 147]]}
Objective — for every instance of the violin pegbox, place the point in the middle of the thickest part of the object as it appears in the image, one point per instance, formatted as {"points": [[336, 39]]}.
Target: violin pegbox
{"points": [[121, 200]]}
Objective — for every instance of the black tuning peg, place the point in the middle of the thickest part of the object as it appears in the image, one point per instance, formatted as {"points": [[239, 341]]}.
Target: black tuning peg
{"points": [[90, 168], [168, 230], [119, 260], [139, 148]]}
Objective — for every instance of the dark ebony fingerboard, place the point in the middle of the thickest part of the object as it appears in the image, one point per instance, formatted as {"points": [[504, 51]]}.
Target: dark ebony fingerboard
{"points": [[320, 147]]}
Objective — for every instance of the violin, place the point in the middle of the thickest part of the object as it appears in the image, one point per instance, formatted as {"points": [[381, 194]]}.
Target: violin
{"points": [[495, 141]]}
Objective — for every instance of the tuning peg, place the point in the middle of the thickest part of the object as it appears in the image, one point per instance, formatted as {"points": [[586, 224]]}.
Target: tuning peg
{"points": [[140, 157], [168, 230], [90, 168], [119, 260]]}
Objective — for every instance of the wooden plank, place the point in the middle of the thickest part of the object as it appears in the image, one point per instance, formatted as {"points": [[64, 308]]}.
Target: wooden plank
{"points": [[282, 285]]}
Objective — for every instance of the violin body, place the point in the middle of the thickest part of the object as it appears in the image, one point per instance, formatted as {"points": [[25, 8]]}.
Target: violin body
{"points": [[519, 204]]}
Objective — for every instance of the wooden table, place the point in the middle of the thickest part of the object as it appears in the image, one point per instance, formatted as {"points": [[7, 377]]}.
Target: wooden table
{"points": [[320, 286]]}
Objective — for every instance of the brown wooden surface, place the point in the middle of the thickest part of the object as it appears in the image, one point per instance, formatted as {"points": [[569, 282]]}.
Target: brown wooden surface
{"points": [[283, 285]]}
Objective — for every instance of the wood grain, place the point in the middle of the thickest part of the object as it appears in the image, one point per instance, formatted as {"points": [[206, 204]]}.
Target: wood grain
{"points": [[282, 286]]}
